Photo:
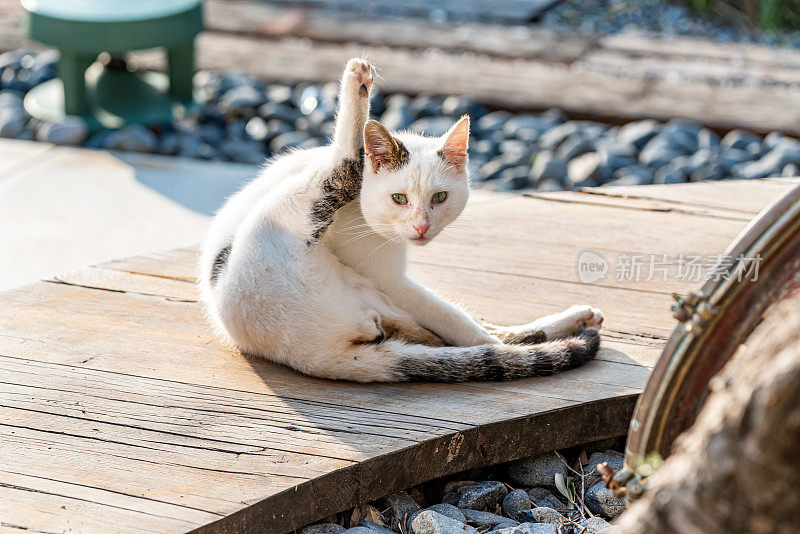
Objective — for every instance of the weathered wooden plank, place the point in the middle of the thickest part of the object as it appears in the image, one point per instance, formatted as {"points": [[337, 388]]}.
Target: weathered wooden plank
{"points": [[640, 204], [745, 197], [271, 21]]}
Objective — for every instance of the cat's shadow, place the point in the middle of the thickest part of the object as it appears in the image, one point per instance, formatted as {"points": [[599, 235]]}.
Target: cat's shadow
{"points": [[200, 186], [354, 422]]}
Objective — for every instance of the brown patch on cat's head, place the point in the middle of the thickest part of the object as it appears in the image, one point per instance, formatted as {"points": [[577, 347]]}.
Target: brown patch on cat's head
{"points": [[383, 150]]}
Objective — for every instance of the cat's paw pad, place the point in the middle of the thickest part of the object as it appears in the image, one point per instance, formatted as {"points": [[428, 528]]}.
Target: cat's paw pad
{"points": [[360, 71], [585, 316]]}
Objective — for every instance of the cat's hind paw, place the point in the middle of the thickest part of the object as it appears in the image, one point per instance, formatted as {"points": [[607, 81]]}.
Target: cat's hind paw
{"points": [[586, 316]]}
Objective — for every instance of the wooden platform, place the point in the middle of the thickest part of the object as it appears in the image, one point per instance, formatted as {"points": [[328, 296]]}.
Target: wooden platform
{"points": [[122, 413]]}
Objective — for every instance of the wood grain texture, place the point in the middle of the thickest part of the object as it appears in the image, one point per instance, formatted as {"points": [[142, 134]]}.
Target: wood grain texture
{"points": [[120, 411]]}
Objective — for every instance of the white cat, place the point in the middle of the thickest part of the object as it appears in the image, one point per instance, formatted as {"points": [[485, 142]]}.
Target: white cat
{"points": [[305, 266]]}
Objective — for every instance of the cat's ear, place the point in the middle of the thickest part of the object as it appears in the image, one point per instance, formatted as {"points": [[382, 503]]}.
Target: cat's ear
{"points": [[383, 150], [456, 141]]}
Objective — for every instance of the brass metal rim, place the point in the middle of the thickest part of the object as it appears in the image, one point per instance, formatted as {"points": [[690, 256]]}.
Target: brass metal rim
{"points": [[716, 320]]}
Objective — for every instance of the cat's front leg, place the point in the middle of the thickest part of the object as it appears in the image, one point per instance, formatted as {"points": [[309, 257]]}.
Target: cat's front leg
{"points": [[559, 325], [354, 90], [439, 316]]}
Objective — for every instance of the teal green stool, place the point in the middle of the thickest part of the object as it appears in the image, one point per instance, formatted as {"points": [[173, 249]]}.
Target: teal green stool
{"points": [[106, 93]]}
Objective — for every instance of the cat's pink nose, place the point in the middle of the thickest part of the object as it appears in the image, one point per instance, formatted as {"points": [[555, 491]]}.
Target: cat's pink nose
{"points": [[421, 228]]}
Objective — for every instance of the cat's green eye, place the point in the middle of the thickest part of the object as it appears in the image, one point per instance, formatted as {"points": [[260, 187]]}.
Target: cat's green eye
{"points": [[439, 197], [400, 199]]}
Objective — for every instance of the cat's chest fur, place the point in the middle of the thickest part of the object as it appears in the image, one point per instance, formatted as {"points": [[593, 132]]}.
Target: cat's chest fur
{"points": [[359, 247]]}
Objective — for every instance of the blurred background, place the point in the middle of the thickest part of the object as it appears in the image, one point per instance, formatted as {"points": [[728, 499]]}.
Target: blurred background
{"points": [[563, 95]]}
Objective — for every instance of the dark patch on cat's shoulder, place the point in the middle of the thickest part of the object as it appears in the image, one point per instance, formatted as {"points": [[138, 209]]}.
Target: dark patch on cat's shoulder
{"points": [[219, 262], [342, 185]]}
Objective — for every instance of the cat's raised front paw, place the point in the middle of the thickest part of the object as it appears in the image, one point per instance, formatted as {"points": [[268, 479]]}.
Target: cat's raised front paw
{"points": [[360, 71]]}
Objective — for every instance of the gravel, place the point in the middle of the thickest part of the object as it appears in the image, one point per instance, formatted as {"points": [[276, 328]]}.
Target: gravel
{"points": [[660, 18], [537, 471], [521, 501], [247, 121]]}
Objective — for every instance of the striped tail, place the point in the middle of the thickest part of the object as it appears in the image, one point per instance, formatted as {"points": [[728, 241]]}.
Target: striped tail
{"points": [[492, 362]]}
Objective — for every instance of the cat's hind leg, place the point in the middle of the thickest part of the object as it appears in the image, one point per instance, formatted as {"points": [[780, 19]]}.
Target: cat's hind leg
{"points": [[556, 326]]}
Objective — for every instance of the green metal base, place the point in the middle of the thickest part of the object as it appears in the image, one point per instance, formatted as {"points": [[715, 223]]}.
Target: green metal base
{"points": [[114, 97]]}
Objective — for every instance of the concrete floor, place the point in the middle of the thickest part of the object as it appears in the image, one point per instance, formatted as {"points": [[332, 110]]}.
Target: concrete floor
{"points": [[64, 208]]}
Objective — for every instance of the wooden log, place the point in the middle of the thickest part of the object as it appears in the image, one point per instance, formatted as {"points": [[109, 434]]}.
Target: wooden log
{"points": [[736, 469]]}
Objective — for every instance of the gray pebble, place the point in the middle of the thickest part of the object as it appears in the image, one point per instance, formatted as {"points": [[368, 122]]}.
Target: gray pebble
{"points": [[712, 171], [771, 164], [69, 131], [670, 174], [574, 147], [132, 138], [638, 133], [514, 178], [707, 139], [601, 501], [732, 157], [659, 151], [448, 510], [503, 526], [425, 106], [397, 117], [542, 514], [483, 519], [549, 185], [536, 528], [278, 110], [790, 170], [634, 175], [323, 528], [514, 146], [360, 530], [739, 139], [480, 496], [456, 106], [12, 125], [545, 497], [397, 507], [537, 471], [242, 151], [241, 98], [548, 165], [374, 527], [612, 159], [595, 524], [498, 164], [492, 122], [585, 170], [515, 502], [430, 522], [287, 140]]}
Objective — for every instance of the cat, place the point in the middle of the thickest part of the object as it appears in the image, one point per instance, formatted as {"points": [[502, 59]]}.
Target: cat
{"points": [[305, 266]]}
